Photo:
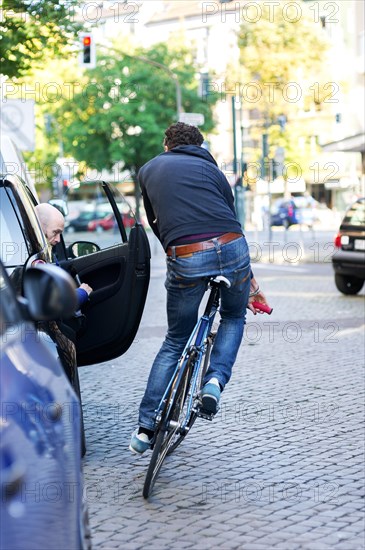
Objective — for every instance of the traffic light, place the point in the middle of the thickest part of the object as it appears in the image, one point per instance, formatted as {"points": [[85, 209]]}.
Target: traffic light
{"points": [[87, 51]]}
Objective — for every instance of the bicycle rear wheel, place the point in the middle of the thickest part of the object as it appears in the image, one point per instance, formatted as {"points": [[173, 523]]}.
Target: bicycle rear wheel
{"points": [[193, 412], [168, 426]]}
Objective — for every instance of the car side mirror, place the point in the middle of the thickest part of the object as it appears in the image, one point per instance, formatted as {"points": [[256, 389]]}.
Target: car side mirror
{"points": [[82, 248], [50, 293]]}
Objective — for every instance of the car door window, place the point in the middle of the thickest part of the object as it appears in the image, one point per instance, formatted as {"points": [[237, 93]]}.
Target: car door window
{"points": [[14, 249], [95, 221], [9, 313]]}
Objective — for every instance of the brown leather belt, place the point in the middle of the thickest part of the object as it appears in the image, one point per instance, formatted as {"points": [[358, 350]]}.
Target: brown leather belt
{"points": [[186, 249]]}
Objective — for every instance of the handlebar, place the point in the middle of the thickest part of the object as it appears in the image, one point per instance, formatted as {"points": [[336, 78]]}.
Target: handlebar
{"points": [[262, 307]]}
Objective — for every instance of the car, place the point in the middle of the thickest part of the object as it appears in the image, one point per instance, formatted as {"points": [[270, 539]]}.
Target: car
{"points": [[299, 210], [119, 275], [40, 462], [103, 223], [99, 219], [348, 260], [90, 220], [284, 212]]}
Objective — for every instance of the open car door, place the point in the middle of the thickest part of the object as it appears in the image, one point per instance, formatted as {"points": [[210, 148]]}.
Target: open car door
{"points": [[119, 274]]}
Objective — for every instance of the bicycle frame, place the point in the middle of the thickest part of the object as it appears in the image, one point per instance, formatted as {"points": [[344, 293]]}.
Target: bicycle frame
{"points": [[180, 404], [196, 344]]}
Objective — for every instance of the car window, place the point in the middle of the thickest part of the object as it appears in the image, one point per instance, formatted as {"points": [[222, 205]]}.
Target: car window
{"points": [[14, 249], [95, 221], [356, 214], [9, 313]]}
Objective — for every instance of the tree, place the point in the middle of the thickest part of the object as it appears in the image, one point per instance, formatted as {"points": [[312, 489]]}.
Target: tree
{"points": [[283, 55], [123, 110], [32, 31]]}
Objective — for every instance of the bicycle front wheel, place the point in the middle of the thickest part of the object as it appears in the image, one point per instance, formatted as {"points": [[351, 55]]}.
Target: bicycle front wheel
{"points": [[168, 427]]}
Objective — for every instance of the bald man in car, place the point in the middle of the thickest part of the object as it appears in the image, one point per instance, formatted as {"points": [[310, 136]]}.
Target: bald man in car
{"points": [[53, 223]]}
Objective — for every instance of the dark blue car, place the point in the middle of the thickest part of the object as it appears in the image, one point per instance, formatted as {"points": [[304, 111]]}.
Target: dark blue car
{"points": [[40, 460], [284, 212]]}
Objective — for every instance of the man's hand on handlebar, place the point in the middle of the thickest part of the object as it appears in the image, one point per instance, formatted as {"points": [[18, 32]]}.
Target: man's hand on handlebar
{"points": [[257, 302]]}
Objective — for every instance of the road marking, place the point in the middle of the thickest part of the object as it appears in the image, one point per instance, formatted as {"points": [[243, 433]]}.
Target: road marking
{"points": [[348, 331]]}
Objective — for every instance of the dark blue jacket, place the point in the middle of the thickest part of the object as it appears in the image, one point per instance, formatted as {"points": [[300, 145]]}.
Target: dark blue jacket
{"points": [[185, 193]]}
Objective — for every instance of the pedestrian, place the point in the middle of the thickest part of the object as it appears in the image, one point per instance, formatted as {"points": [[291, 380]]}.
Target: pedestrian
{"points": [[189, 206]]}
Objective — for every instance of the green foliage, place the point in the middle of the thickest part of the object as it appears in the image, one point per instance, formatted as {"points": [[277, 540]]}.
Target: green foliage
{"points": [[123, 110], [285, 61], [32, 31]]}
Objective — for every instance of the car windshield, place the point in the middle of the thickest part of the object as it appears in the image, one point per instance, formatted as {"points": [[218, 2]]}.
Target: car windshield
{"points": [[356, 214]]}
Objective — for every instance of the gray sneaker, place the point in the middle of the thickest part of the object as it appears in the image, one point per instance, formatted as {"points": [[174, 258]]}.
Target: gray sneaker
{"points": [[139, 443], [210, 398]]}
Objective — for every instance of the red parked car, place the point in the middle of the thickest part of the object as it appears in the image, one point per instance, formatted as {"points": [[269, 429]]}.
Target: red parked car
{"points": [[102, 222], [105, 222]]}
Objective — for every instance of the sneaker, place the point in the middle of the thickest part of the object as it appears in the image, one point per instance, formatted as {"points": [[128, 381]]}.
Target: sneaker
{"points": [[210, 394], [139, 443]]}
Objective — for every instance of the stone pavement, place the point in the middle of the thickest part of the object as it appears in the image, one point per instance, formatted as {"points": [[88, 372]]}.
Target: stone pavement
{"points": [[282, 464]]}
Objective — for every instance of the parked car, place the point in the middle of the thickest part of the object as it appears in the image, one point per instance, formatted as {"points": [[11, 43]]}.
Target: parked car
{"points": [[104, 223], [284, 212], [299, 210], [40, 462], [90, 220], [99, 220], [349, 258], [118, 274]]}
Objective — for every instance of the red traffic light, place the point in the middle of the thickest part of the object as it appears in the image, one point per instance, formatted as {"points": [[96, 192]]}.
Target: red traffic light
{"points": [[87, 56]]}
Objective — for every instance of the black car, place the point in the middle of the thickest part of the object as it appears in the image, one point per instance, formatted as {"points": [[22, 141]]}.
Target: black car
{"points": [[119, 275], [349, 258]]}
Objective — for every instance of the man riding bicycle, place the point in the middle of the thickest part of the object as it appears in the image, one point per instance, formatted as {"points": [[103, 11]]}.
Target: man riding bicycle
{"points": [[189, 206]]}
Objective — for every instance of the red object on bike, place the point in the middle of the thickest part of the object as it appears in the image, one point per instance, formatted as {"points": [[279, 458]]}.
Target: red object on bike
{"points": [[262, 307]]}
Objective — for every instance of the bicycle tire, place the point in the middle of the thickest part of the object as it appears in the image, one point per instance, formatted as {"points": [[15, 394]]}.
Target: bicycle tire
{"points": [[165, 433], [193, 414]]}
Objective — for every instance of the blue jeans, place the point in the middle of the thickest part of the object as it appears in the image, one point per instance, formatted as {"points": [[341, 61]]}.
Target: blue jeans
{"points": [[186, 283]]}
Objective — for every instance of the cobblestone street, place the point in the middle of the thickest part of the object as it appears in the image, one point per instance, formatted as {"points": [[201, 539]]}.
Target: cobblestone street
{"points": [[281, 466]]}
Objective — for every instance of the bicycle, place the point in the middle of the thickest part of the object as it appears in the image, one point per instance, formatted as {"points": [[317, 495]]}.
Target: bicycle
{"points": [[181, 403]]}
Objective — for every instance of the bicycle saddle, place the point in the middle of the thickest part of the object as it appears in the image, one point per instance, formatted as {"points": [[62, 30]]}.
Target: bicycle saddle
{"points": [[221, 280]]}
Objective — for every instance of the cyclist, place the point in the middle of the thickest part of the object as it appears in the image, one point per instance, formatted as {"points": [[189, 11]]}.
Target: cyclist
{"points": [[189, 206]]}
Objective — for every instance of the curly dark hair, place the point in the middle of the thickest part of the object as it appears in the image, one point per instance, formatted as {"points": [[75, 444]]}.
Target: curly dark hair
{"points": [[182, 134]]}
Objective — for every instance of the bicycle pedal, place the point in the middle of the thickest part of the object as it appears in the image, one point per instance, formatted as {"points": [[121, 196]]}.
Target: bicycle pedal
{"points": [[206, 414]]}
